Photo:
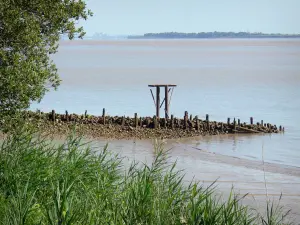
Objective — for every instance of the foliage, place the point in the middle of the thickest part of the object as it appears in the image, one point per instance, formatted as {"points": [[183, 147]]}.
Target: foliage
{"points": [[72, 183], [29, 34]]}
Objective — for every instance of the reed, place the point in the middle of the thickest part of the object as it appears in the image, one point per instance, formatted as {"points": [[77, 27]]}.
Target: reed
{"points": [[42, 182]]}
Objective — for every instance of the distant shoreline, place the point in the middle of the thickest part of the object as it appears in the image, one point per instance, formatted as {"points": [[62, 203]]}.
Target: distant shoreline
{"points": [[200, 35], [220, 38], [211, 35], [181, 39]]}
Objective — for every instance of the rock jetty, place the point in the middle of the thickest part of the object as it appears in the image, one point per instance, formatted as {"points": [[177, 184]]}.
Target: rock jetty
{"points": [[141, 127]]}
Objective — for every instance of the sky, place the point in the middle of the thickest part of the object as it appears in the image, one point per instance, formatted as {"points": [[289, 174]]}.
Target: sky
{"points": [[133, 17]]}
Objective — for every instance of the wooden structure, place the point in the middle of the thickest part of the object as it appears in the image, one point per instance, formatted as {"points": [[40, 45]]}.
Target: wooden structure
{"points": [[167, 100]]}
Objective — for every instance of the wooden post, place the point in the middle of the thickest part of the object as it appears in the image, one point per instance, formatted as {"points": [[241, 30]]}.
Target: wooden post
{"points": [[155, 122], [207, 121], [135, 120], [141, 122], [228, 121], [103, 116], [148, 122], [172, 121], [67, 116], [53, 115], [166, 102], [207, 117], [157, 101], [234, 124], [186, 115], [251, 120], [85, 114], [165, 122], [197, 124], [123, 121], [192, 124]]}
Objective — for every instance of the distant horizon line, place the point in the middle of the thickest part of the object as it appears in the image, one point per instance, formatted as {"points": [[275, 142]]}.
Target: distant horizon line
{"points": [[178, 32], [199, 32]]}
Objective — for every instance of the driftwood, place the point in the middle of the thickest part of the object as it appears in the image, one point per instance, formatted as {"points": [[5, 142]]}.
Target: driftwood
{"points": [[263, 131], [248, 130]]}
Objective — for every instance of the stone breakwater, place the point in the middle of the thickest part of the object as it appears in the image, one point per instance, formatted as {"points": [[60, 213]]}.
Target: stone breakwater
{"points": [[141, 127]]}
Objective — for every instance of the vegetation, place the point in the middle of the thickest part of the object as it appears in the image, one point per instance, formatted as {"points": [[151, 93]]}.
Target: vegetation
{"points": [[29, 34], [72, 183], [213, 35]]}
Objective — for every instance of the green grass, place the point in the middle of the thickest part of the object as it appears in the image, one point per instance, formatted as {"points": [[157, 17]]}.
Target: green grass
{"points": [[43, 183]]}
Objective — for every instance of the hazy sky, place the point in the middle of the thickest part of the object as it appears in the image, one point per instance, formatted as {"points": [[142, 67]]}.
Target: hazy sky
{"points": [[143, 16]]}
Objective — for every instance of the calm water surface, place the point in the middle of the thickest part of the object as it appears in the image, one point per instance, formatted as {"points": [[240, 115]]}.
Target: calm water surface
{"points": [[222, 78]]}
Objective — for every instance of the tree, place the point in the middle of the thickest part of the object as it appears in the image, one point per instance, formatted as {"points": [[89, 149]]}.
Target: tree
{"points": [[29, 34]]}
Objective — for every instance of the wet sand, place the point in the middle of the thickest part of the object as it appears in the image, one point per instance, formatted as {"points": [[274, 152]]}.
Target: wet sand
{"points": [[261, 181]]}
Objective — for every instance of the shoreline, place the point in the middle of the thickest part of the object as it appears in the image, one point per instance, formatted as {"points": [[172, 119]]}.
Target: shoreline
{"points": [[60, 133], [248, 177], [205, 155], [251, 164], [208, 156], [245, 175]]}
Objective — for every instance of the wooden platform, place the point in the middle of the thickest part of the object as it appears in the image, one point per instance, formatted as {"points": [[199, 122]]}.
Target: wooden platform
{"points": [[157, 102], [162, 85]]}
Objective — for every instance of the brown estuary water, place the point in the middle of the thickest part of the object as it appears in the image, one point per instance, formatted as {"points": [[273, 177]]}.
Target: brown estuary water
{"points": [[223, 78], [234, 78]]}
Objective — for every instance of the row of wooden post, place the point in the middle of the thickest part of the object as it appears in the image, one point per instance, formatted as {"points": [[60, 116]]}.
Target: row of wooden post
{"points": [[186, 120]]}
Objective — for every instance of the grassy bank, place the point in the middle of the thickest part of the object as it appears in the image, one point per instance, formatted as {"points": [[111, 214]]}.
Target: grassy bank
{"points": [[42, 183]]}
